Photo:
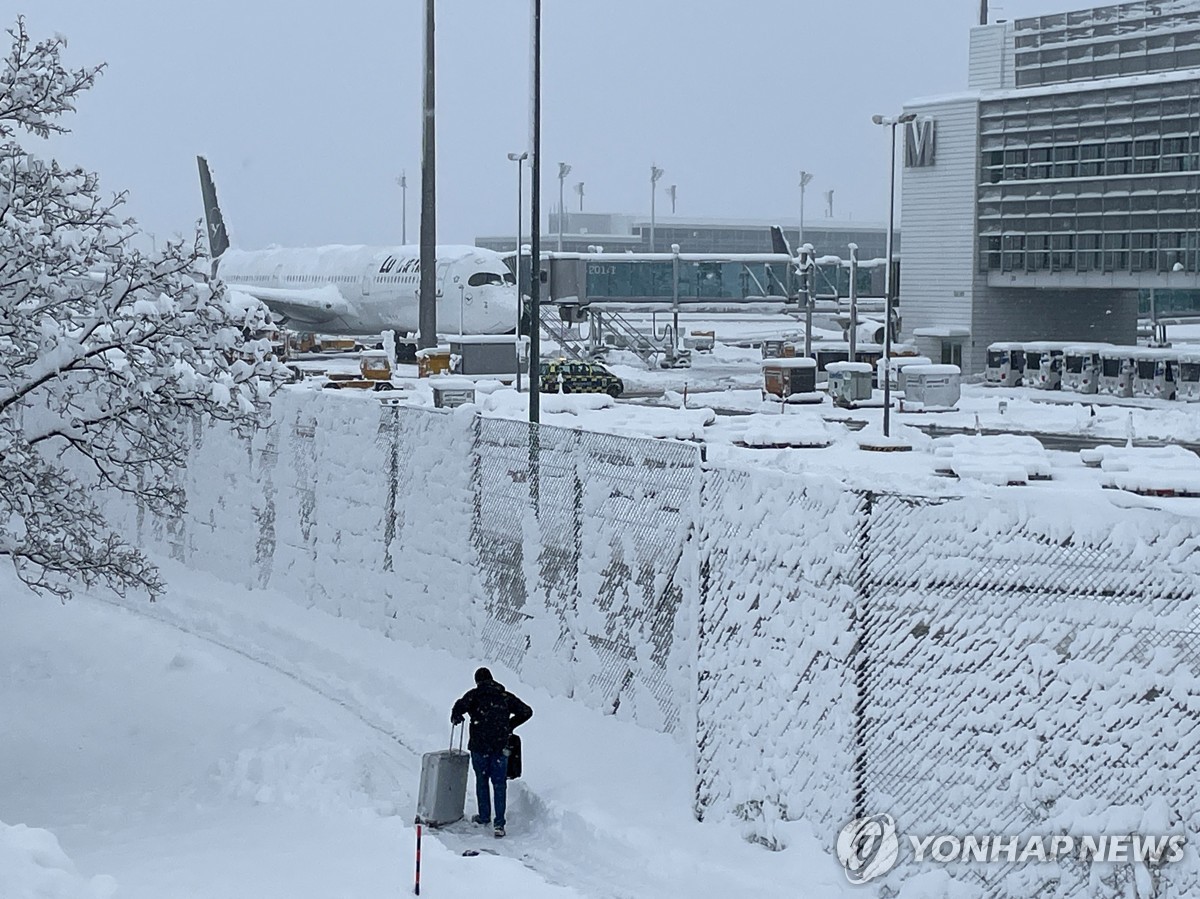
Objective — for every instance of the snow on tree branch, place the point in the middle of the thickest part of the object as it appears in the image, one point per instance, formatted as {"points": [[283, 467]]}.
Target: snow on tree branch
{"points": [[35, 88], [107, 355]]}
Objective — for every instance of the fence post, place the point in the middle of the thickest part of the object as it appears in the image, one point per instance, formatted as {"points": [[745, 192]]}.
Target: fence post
{"points": [[860, 657]]}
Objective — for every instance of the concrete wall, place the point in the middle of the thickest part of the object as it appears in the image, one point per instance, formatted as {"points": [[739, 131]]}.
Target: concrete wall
{"points": [[1040, 314], [937, 273]]}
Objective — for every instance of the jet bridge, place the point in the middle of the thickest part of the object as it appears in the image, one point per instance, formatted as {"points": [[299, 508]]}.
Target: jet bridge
{"points": [[600, 288]]}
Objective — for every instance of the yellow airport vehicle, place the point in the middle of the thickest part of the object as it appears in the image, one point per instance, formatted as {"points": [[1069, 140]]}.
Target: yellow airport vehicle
{"points": [[570, 376], [374, 373]]}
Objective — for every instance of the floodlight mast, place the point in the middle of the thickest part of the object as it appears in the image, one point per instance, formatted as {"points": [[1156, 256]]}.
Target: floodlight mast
{"points": [[889, 287]]}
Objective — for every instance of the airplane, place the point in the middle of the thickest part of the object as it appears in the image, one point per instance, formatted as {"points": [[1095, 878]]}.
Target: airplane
{"points": [[359, 290]]}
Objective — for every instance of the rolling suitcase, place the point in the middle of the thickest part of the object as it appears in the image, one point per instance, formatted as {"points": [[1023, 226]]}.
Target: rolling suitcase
{"points": [[443, 792]]}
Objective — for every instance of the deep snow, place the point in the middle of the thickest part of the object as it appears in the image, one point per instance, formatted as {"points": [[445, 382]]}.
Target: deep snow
{"points": [[227, 743]]}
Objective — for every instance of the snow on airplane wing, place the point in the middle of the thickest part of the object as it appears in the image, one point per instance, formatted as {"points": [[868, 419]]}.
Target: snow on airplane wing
{"points": [[313, 306]]}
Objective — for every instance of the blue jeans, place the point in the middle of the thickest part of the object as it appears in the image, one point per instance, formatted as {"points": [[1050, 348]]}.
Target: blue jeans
{"points": [[490, 767]]}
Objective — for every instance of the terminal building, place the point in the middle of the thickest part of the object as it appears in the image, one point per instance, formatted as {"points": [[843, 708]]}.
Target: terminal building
{"points": [[1065, 181], [628, 233]]}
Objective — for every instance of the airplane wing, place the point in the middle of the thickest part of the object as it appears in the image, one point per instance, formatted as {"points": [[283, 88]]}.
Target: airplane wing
{"points": [[311, 307]]}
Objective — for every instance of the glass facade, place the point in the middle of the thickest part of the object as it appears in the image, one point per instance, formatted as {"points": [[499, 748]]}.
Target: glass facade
{"points": [[1101, 179], [872, 242], [1107, 42], [718, 280], [697, 280]]}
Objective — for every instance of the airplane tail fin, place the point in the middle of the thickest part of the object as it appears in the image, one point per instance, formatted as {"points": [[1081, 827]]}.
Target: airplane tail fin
{"points": [[218, 237], [779, 242]]}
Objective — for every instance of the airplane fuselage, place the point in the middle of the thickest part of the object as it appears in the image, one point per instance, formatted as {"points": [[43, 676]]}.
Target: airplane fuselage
{"points": [[366, 290]]}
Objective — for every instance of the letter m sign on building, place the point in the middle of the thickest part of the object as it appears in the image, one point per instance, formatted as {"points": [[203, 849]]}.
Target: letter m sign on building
{"points": [[918, 143]]}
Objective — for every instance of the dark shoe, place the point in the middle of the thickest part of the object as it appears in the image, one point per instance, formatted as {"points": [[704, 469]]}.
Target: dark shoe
{"points": [[499, 832], [478, 820]]}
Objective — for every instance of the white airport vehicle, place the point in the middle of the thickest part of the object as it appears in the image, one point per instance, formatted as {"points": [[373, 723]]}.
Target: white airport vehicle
{"points": [[1188, 382], [1116, 371], [1043, 364], [1005, 365], [1154, 372], [1081, 367], [362, 289]]}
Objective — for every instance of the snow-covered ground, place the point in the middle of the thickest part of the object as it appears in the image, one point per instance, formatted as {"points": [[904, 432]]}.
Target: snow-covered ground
{"points": [[728, 380], [227, 743]]}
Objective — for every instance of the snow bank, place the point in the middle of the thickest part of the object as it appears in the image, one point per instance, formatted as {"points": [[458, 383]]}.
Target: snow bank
{"points": [[33, 865]]}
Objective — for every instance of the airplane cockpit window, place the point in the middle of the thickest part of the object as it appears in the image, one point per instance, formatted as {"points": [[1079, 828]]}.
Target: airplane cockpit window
{"points": [[509, 278], [481, 278]]}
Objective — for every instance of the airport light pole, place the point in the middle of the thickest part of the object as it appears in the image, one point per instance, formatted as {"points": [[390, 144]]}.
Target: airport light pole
{"points": [[853, 336], [563, 171], [805, 178], [655, 174], [519, 158], [403, 182], [535, 245], [671, 193], [579, 190], [889, 287], [427, 298]]}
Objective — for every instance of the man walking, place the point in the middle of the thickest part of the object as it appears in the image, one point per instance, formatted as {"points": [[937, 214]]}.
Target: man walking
{"points": [[495, 714]]}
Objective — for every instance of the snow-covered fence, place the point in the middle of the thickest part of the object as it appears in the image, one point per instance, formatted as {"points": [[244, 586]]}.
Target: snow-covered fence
{"points": [[417, 522], [970, 665], [1017, 661], [775, 709], [599, 614]]}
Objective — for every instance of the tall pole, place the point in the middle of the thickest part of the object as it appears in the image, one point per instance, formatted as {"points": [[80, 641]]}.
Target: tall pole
{"points": [[535, 218], [805, 178], [853, 341], [655, 174], [403, 182], [427, 299], [810, 289], [887, 290], [518, 158], [563, 171]]}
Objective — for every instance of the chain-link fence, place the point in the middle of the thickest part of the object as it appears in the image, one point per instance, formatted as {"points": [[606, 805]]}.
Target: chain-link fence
{"points": [[1003, 665], [598, 610], [1025, 662]]}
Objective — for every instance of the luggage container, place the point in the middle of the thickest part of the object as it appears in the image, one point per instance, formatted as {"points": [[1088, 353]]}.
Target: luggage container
{"points": [[433, 361], [1188, 381], [1116, 371], [772, 349], [849, 382], [1081, 367], [1154, 372], [442, 796], [931, 387], [1043, 364], [791, 380], [897, 367], [1005, 365]]}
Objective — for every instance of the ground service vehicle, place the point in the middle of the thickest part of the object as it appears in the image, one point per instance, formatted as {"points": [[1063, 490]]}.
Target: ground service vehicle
{"points": [[375, 373], [571, 376]]}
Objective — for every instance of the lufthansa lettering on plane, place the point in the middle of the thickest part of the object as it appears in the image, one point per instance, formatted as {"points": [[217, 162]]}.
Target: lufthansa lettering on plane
{"points": [[409, 266], [919, 143]]}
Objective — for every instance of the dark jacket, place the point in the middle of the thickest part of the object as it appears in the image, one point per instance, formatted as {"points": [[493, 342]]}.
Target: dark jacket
{"points": [[494, 712]]}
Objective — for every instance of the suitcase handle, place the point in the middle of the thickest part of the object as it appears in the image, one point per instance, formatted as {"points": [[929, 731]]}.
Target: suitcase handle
{"points": [[461, 734]]}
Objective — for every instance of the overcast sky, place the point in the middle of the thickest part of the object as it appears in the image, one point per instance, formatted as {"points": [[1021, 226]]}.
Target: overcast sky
{"points": [[308, 112]]}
